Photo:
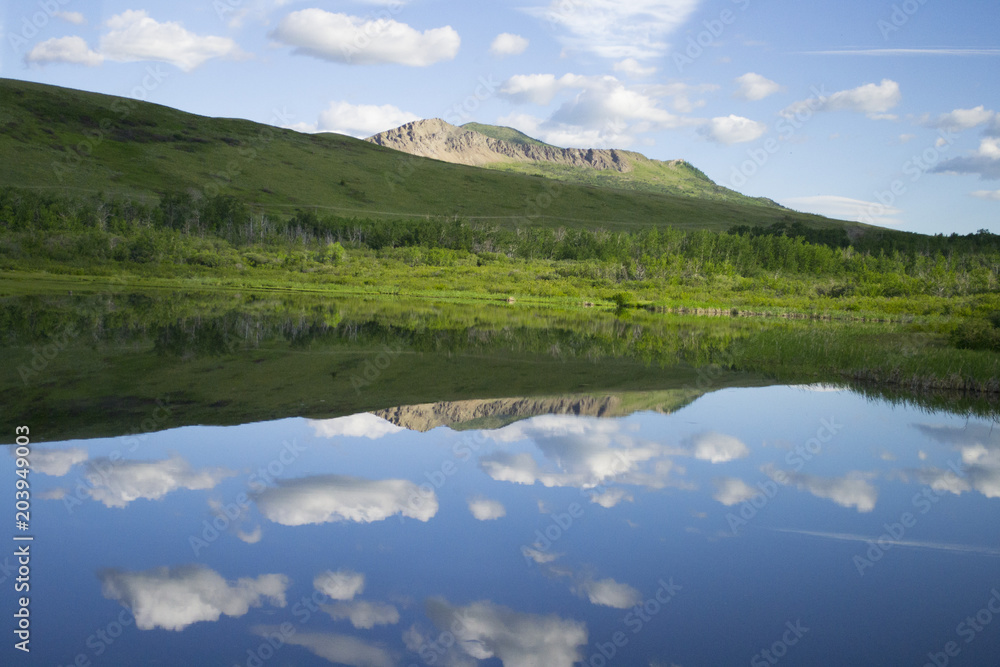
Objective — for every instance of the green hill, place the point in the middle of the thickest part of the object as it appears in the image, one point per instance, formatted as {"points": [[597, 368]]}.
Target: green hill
{"points": [[75, 141], [504, 133]]}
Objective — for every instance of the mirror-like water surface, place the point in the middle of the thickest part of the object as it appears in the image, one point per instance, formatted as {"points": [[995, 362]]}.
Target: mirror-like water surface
{"points": [[793, 525]]}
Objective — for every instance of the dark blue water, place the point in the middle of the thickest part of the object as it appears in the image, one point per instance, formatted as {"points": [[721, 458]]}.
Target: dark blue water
{"points": [[752, 527]]}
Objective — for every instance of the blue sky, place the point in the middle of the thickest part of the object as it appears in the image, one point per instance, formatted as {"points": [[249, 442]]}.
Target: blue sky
{"points": [[881, 111]]}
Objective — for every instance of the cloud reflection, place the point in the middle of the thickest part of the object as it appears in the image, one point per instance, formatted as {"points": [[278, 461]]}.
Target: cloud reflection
{"points": [[485, 630], [332, 498], [364, 425], [338, 649], [117, 483], [174, 598]]}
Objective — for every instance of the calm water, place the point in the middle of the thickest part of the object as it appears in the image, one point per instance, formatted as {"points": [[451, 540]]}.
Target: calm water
{"points": [[792, 525]]}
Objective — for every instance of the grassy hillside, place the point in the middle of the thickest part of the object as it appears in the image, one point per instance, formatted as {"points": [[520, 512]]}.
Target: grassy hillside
{"points": [[507, 134], [57, 138]]}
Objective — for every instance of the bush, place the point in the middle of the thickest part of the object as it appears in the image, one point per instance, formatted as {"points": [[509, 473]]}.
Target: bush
{"points": [[978, 334]]}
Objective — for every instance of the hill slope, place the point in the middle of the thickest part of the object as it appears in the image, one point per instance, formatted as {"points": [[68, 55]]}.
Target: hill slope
{"points": [[507, 149], [71, 140]]}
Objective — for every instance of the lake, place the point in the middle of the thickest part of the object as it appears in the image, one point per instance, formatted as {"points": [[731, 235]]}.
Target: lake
{"points": [[250, 480]]}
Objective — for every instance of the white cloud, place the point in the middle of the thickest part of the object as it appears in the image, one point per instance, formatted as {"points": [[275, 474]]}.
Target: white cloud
{"points": [[755, 87], [989, 195], [979, 446], [362, 614], [57, 493], [55, 462], [485, 630], [718, 447], [338, 649], [485, 509], [963, 119], [984, 161], [63, 50], [598, 111], [631, 67], [364, 425], [943, 480], [540, 557], [76, 18], [611, 497], [733, 129], [340, 585], [610, 593], [845, 208], [358, 41], [871, 99], [582, 452], [732, 491], [851, 490], [175, 598], [117, 483], [332, 498], [134, 36], [507, 44], [251, 537], [363, 120], [615, 29]]}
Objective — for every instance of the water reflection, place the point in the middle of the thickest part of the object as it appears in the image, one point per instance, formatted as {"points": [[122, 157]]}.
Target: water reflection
{"points": [[692, 537]]}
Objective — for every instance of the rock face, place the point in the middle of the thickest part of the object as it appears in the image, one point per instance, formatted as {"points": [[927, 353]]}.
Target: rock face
{"points": [[427, 416], [443, 141]]}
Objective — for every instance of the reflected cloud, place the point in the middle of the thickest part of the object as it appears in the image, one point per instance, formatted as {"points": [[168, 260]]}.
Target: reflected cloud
{"points": [[363, 615], [55, 462], [338, 649], [174, 598], [332, 498], [979, 446], [364, 425], [718, 447], [610, 593], [851, 490], [485, 509], [340, 585], [252, 537], [117, 483], [611, 497], [485, 630], [581, 452], [942, 480], [732, 491]]}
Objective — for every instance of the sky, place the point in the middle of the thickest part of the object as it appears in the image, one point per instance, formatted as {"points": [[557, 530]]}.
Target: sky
{"points": [[877, 111]]}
